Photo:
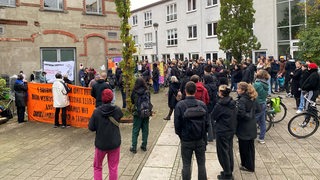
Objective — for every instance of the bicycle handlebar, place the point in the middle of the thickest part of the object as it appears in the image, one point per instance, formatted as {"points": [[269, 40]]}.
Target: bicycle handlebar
{"points": [[311, 102]]}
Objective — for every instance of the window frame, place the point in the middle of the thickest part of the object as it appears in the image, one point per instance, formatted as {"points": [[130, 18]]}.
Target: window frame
{"points": [[148, 39], [211, 3], [56, 8], [100, 4], [172, 12], [10, 3], [191, 5], [135, 20], [213, 29], [194, 32], [147, 22], [135, 38], [172, 37]]}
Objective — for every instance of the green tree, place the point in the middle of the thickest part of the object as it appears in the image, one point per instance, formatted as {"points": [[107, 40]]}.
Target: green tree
{"points": [[309, 44], [127, 64], [234, 29]]}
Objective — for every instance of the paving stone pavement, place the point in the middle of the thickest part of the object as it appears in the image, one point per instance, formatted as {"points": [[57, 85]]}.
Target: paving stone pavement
{"points": [[37, 151]]}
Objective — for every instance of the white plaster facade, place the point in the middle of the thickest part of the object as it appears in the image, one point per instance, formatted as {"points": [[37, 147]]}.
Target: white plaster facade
{"points": [[265, 28]]}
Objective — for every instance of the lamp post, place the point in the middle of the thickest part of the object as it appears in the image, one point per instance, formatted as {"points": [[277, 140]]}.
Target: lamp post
{"points": [[155, 26]]}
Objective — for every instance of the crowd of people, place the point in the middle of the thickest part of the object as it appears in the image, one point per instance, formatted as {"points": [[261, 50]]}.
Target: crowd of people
{"points": [[199, 95]]}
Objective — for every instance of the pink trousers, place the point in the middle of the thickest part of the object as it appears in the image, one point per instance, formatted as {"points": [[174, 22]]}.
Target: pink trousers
{"points": [[113, 162]]}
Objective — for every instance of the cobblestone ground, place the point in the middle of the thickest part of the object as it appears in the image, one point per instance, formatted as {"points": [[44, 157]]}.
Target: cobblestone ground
{"points": [[38, 151]]}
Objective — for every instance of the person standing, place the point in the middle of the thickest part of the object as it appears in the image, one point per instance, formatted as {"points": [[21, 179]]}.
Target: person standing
{"points": [[60, 100], [247, 125], [295, 84], [192, 139], [140, 88], [105, 122], [201, 93], [82, 75], [98, 87], [172, 94], [261, 85], [42, 77], [20, 92], [225, 115], [304, 75], [155, 78]]}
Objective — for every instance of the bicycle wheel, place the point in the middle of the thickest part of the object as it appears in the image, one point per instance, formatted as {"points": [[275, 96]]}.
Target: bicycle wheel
{"points": [[303, 125], [279, 116]]}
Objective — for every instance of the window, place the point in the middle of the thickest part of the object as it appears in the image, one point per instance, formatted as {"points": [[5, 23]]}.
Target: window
{"points": [[192, 5], [94, 6], [135, 39], [148, 40], [212, 29], [172, 37], [7, 2], [135, 20], [1, 30], [192, 32], [112, 35], [212, 2], [57, 54], [148, 18], [53, 5], [179, 56], [171, 12], [211, 56]]}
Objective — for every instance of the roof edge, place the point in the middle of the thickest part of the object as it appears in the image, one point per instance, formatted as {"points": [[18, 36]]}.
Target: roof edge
{"points": [[150, 5]]}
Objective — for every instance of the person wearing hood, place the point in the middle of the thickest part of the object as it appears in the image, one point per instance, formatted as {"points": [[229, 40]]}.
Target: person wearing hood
{"points": [[225, 115], [262, 87], [311, 85], [201, 93], [98, 87], [60, 100], [140, 88], [105, 122], [20, 92], [172, 94], [247, 124]]}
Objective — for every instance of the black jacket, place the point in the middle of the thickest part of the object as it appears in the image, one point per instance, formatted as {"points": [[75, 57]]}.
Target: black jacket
{"points": [[247, 124], [295, 85], [211, 86], [107, 134], [225, 115], [304, 76], [97, 89], [155, 74], [246, 75], [179, 122], [173, 91], [312, 83], [20, 92]]}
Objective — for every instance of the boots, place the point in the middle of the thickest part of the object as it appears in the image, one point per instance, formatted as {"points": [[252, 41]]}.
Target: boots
{"points": [[169, 115]]}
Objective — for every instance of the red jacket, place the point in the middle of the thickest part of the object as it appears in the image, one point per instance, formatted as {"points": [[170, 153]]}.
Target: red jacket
{"points": [[202, 93]]}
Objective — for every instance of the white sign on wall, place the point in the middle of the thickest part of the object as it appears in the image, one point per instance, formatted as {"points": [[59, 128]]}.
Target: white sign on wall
{"points": [[52, 68]]}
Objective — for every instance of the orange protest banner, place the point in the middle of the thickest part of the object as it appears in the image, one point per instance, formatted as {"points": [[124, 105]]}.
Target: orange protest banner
{"points": [[40, 105]]}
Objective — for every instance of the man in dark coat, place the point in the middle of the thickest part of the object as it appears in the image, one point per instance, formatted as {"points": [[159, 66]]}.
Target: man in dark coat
{"points": [[155, 78], [20, 91], [99, 87]]}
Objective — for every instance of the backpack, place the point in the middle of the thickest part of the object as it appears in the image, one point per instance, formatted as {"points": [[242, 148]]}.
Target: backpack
{"points": [[144, 106], [195, 122]]}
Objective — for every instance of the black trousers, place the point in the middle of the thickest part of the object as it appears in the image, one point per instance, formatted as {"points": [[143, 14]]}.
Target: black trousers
{"points": [[247, 153], [187, 149], [20, 112], [224, 144], [63, 116]]}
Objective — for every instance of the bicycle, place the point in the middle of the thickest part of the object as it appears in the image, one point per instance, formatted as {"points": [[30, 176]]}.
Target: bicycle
{"points": [[305, 124], [278, 115]]}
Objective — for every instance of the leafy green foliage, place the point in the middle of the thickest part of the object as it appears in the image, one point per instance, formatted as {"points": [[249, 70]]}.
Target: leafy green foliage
{"points": [[234, 29], [127, 64], [309, 44], [4, 91]]}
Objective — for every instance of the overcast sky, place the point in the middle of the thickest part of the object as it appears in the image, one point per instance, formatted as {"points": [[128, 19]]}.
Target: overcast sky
{"points": [[139, 3]]}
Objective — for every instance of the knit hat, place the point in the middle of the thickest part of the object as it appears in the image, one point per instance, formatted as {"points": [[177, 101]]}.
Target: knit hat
{"points": [[107, 96], [313, 66]]}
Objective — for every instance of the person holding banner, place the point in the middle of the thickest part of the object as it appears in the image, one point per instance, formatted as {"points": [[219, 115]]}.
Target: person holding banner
{"points": [[60, 100]]}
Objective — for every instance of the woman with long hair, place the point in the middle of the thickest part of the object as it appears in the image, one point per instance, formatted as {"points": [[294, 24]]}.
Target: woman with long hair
{"points": [[172, 94], [247, 128], [140, 88]]}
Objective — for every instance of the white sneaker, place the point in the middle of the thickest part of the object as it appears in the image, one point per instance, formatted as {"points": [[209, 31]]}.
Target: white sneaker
{"points": [[299, 111], [261, 141]]}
